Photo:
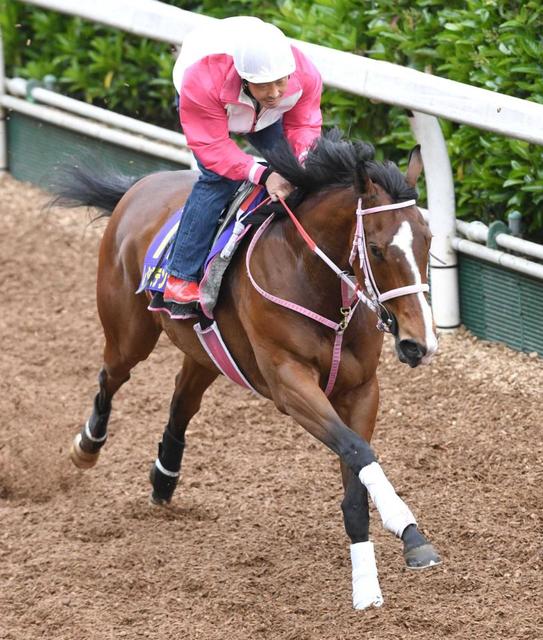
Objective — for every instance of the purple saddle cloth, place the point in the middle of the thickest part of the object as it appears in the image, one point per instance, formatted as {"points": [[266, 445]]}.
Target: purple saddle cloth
{"points": [[155, 264]]}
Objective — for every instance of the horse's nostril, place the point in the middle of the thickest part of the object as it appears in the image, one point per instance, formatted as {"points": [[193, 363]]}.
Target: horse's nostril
{"points": [[412, 350]]}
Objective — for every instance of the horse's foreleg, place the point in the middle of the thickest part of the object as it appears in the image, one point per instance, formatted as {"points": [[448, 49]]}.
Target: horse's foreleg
{"points": [[190, 385], [358, 408], [296, 391]]}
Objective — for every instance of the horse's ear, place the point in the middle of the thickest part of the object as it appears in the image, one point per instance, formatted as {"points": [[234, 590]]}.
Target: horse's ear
{"points": [[414, 166], [364, 184]]}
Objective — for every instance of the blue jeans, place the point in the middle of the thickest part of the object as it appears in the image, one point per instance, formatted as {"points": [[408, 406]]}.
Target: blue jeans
{"points": [[203, 209]]}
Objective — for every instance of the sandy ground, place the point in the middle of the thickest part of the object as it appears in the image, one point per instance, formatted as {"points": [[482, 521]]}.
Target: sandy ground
{"points": [[253, 544]]}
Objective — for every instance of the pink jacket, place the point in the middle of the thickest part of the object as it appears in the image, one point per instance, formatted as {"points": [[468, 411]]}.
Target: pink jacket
{"points": [[213, 104]]}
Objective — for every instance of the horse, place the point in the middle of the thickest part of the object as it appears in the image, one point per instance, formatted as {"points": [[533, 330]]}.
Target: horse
{"points": [[362, 218]]}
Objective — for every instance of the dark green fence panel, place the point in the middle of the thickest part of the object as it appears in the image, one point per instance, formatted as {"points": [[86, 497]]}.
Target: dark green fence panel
{"points": [[503, 305], [35, 148]]}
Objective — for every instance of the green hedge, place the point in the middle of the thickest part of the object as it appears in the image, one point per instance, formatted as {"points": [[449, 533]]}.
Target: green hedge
{"points": [[486, 43]]}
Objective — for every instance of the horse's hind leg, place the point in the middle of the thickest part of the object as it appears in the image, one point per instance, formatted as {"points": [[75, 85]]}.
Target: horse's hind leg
{"points": [[131, 334], [190, 385]]}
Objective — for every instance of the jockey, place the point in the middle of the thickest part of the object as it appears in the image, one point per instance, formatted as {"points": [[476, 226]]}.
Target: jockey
{"points": [[239, 75]]}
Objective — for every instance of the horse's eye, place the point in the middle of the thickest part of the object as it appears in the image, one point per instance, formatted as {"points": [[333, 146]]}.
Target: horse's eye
{"points": [[376, 252]]}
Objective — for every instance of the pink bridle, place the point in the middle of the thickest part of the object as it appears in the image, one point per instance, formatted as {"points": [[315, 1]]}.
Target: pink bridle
{"points": [[360, 247], [373, 300]]}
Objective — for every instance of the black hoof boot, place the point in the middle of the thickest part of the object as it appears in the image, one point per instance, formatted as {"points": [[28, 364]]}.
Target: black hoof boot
{"points": [[166, 468], [163, 485], [418, 552]]}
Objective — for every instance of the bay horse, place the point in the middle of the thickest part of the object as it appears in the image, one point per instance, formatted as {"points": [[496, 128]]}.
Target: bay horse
{"points": [[285, 355]]}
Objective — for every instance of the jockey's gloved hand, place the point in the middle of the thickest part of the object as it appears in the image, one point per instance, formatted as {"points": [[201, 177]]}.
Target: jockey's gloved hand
{"points": [[278, 187]]}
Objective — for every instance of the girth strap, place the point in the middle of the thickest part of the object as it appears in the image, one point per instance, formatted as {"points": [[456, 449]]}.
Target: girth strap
{"points": [[216, 349]]}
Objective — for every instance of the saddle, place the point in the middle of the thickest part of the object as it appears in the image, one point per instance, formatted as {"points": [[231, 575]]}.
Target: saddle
{"points": [[231, 228]]}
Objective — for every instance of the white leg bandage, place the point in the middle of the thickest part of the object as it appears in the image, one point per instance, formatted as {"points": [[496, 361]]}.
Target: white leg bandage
{"points": [[395, 514], [366, 589]]}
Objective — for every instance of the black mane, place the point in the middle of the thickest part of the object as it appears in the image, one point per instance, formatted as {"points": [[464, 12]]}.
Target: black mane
{"points": [[334, 161]]}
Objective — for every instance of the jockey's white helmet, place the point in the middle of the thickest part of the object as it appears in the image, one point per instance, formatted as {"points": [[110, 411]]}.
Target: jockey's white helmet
{"points": [[263, 54]]}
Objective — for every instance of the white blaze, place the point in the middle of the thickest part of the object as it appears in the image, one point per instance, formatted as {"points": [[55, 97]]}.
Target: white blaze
{"points": [[403, 240]]}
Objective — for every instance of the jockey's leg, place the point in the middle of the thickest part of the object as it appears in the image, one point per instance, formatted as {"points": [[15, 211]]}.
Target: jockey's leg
{"points": [[201, 213]]}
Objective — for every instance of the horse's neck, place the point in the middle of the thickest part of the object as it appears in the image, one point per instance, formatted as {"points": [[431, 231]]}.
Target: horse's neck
{"points": [[329, 220]]}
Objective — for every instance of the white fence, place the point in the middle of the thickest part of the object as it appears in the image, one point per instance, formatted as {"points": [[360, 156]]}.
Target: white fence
{"points": [[425, 95]]}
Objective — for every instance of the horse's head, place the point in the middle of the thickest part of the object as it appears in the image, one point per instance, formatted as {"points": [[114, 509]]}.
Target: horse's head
{"points": [[393, 243]]}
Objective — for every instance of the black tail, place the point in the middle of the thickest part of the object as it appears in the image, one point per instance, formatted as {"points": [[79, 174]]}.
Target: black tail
{"points": [[80, 185]]}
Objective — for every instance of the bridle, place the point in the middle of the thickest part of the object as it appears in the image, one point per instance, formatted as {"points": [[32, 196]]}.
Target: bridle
{"points": [[351, 293], [375, 298]]}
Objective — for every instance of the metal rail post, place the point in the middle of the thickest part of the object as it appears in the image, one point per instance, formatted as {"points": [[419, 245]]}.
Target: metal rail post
{"points": [[3, 131], [442, 220]]}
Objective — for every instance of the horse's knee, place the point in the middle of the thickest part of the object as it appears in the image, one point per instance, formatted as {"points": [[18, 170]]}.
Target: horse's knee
{"points": [[355, 452]]}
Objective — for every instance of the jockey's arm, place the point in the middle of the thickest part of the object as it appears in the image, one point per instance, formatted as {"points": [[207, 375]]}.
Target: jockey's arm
{"points": [[205, 126]]}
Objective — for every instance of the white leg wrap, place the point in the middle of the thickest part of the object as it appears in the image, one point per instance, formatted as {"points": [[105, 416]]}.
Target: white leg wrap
{"points": [[395, 514], [366, 589]]}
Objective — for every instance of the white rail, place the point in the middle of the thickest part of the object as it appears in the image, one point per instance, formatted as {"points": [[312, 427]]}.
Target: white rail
{"points": [[95, 130], [134, 134], [501, 258], [373, 79], [478, 231], [20, 87]]}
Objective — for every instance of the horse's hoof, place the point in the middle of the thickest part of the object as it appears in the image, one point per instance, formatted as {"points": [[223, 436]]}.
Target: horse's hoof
{"points": [[163, 487], [154, 499], [157, 501], [422, 557], [82, 459]]}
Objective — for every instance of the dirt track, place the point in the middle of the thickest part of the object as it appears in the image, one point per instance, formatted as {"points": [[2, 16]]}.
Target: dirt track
{"points": [[253, 545]]}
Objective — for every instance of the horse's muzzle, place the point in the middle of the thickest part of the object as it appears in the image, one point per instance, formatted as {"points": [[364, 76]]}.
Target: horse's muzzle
{"points": [[410, 352]]}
